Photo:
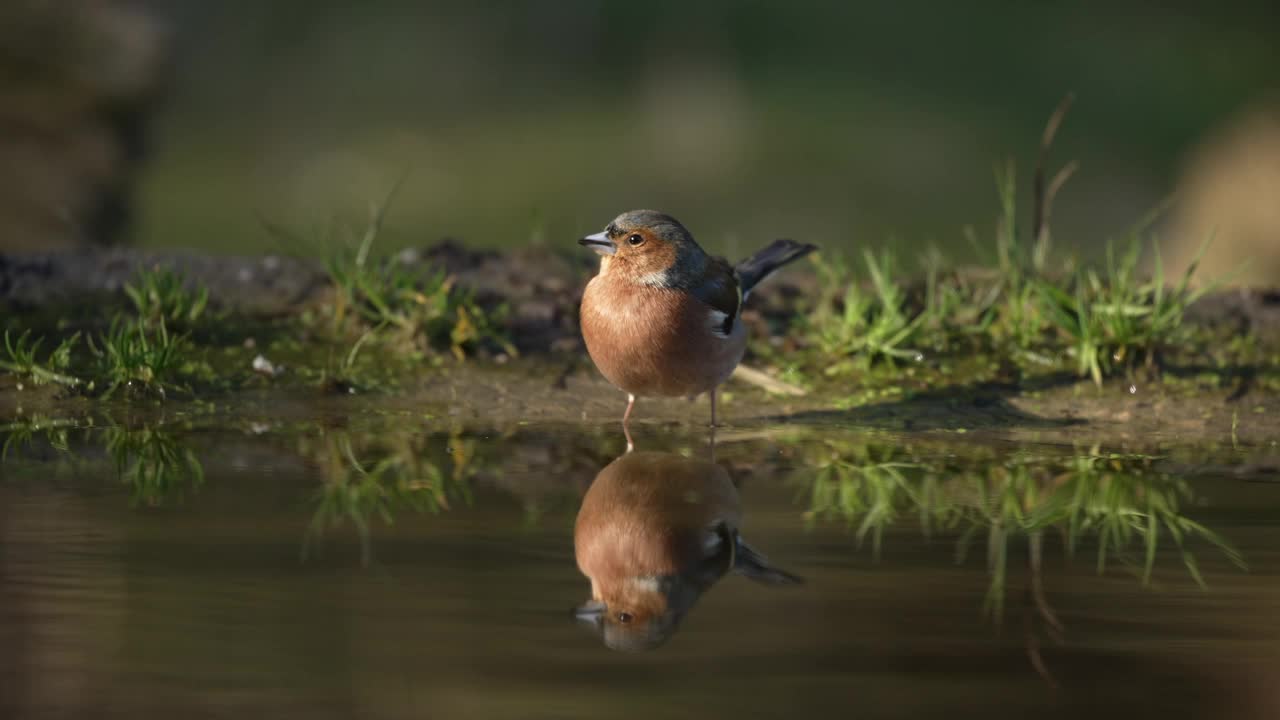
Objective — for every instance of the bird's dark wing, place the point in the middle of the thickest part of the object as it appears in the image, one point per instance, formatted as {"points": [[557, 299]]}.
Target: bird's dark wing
{"points": [[718, 288]]}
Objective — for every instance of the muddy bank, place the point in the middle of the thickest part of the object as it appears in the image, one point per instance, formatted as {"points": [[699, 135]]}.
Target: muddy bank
{"points": [[488, 399], [552, 380]]}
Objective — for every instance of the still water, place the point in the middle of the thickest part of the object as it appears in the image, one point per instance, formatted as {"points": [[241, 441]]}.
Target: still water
{"points": [[388, 567]]}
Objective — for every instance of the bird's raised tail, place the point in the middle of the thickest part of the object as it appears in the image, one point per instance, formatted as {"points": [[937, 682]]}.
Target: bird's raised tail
{"points": [[756, 268]]}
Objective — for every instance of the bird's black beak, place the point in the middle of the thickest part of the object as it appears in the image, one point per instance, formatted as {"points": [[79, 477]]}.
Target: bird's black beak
{"points": [[599, 242], [590, 613]]}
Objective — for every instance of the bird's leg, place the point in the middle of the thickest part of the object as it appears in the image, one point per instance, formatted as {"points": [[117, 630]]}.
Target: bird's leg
{"points": [[626, 421], [713, 407]]}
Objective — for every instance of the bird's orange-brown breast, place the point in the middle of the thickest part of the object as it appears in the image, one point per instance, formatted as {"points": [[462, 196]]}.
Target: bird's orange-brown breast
{"points": [[645, 515], [650, 340]]}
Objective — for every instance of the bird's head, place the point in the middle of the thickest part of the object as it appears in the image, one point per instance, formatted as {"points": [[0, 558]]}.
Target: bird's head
{"points": [[634, 616], [649, 248]]}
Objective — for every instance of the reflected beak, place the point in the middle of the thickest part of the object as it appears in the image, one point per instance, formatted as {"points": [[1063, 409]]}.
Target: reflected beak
{"points": [[590, 613], [599, 242]]}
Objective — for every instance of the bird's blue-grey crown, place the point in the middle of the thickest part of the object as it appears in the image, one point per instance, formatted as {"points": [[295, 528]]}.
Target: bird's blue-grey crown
{"points": [[689, 261]]}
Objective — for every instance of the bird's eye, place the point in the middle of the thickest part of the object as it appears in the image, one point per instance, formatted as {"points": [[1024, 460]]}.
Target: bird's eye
{"points": [[635, 240], [624, 617]]}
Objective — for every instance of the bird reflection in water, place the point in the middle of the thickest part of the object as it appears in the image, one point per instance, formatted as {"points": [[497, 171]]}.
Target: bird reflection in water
{"points": [[656, 531]]}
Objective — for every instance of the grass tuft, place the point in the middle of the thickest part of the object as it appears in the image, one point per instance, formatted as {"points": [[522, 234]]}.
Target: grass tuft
{"points": [[1112, 322], [858, 327], [161, 296], [132, 357], [412, 312], [1028, 309], [22, 353]]}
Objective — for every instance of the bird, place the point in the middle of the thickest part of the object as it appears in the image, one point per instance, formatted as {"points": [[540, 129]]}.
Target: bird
{"points": [[655, 531], [664, 318]]}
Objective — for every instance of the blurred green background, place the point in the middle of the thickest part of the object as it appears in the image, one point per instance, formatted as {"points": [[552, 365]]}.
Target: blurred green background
{"points": [[840, 123]]}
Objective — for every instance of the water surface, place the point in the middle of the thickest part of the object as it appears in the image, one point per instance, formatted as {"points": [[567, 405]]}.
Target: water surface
{"points": [[372, 566]]}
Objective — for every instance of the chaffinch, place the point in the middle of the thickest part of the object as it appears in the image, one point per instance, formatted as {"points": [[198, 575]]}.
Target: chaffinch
{"points": [[662, 317], [654, 533]]}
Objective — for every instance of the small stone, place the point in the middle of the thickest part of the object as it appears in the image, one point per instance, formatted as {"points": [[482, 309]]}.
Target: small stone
{"points": [[265, 367]]}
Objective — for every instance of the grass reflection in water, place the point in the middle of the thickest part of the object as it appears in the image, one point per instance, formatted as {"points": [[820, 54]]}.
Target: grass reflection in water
{"points": [[1120, 506]]}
